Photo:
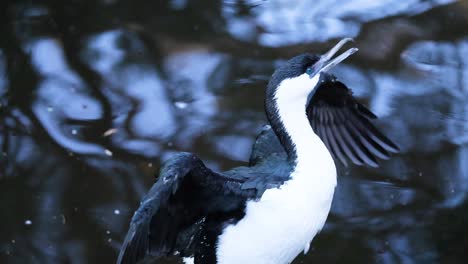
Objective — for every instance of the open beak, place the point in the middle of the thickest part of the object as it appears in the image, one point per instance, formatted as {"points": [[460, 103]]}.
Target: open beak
{"points": [[325, 63]]}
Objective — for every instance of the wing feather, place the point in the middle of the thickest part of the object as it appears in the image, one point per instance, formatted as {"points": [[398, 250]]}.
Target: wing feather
{"points": [[185, 192], [345, 126], [364, 154]]}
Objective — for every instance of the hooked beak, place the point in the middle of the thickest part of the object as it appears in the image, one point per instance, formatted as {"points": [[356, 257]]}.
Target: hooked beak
{"points": [[325, 63]]}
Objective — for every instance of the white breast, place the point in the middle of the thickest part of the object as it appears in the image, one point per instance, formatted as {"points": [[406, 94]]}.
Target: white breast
{"points": [[279, 226]]}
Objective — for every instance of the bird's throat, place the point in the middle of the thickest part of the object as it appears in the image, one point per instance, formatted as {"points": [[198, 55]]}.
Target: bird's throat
{"points": [[286, 111]]}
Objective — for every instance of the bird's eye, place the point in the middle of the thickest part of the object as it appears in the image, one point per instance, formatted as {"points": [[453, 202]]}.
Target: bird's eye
{"points": [[309, 70]]}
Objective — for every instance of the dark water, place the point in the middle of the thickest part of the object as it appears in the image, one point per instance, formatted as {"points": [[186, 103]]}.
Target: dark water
{"points": [[95, 94]]}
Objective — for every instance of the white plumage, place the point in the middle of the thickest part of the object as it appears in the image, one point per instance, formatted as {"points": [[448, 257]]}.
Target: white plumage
{"points": [[281, 225]]}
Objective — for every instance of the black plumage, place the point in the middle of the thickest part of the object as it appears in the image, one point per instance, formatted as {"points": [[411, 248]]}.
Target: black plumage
{"points": [[345, 126]]}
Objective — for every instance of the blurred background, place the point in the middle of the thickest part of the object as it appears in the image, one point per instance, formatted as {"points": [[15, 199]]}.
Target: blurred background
{"points": [[95, 94]]}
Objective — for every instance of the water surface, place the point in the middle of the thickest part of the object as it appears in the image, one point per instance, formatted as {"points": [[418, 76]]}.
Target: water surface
{"points": [[94, 95]]}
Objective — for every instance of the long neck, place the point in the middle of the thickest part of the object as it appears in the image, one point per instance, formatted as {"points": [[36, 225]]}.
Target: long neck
{"points": [[290, 123]]}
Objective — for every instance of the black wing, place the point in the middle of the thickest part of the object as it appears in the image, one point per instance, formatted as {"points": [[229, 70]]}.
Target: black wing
{"points": [[265, 145], [185, 193], [345, 126]]}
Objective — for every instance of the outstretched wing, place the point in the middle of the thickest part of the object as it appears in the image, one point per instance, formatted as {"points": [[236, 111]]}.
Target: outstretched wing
{"points": [[345, 125], [184, 194]]}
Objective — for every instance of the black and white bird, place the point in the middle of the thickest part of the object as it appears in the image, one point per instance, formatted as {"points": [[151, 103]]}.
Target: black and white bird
{"points": [[269, 211]]}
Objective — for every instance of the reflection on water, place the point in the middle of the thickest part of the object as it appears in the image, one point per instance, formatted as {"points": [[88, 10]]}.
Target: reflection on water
{"points": [[94, 95], [282, 23]]}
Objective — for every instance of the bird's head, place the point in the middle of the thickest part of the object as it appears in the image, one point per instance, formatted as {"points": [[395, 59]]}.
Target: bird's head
{"points": [[299, 76]]}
